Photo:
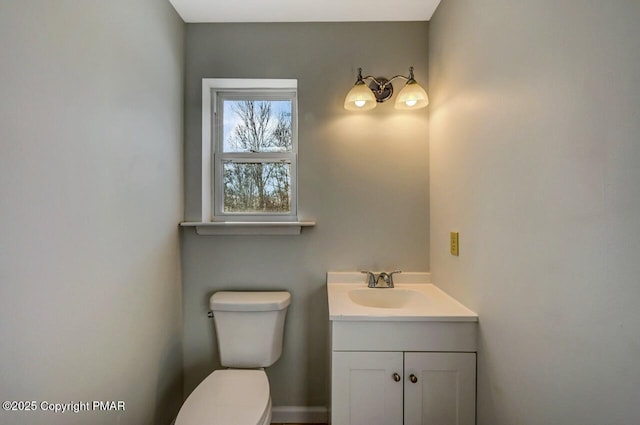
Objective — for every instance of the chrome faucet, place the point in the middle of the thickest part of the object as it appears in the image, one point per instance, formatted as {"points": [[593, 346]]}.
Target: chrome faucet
{"points": [[373, 279], [387, 278]]}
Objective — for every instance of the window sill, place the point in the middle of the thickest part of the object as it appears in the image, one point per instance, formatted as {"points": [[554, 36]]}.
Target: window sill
{"points": [[248, 227]]}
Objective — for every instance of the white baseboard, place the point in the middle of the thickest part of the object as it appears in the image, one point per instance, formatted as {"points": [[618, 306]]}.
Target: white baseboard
{"points": [[299, 414]]}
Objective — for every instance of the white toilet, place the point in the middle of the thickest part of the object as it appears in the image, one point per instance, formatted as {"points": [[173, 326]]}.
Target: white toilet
{"points": [[250, 326]]}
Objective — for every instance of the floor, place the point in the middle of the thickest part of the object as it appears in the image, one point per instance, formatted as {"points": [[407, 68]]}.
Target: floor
{"points": [[294, 424]]}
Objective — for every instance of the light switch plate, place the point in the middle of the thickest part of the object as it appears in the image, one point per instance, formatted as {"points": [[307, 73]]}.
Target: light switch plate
{"points": [[455, 244]]}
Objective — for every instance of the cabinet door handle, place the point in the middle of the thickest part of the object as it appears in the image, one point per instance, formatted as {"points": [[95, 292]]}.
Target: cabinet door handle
{"points": [[396, 377], [413, 378]]}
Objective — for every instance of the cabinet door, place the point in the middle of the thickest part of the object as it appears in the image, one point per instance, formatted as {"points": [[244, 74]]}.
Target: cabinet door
{"points": [[363, 389], [445, 389]]}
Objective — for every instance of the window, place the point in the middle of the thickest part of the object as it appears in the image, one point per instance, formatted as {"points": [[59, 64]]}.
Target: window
{"points": [[254, 154], [253, 149]]}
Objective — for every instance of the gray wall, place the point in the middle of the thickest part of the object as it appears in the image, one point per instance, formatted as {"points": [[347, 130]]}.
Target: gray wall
{"points": [[90, 197], [362, 176], [534, 145]]}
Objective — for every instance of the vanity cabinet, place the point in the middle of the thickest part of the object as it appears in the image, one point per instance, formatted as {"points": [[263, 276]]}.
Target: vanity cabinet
{"points": [[401, 356], [403, 388]]}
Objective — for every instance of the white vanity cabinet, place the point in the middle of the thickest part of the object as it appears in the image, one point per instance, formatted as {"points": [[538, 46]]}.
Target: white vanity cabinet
{"points": [[396, 388], [400, 356]]}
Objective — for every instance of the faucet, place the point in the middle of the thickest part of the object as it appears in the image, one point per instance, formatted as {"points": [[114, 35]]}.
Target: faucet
{"points": [[387, 278], [373, 279]]}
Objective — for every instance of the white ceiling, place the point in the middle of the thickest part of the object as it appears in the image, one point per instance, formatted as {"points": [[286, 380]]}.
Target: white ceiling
{"points": [[304, 10]]}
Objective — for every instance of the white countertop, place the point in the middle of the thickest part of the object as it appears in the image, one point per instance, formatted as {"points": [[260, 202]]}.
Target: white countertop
{"points": [[426, 302]]}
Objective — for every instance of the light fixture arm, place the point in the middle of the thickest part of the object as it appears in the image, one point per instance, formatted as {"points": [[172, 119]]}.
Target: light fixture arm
{"points": [[382, 87], [408, 79], [383, 81]]}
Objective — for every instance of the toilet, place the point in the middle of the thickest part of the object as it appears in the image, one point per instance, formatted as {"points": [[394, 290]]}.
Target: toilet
{"points": [[250, 326]]}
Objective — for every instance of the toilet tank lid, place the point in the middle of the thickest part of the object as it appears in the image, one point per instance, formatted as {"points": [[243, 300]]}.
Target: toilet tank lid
{"points": [[249, 301]]}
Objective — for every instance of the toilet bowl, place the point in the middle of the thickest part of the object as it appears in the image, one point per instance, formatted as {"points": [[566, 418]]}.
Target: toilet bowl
{"points": [[250, 327], [229, 397]]}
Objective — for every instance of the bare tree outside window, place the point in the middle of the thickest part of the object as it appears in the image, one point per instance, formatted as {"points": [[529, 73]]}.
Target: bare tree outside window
{"points": [[257, 126]]}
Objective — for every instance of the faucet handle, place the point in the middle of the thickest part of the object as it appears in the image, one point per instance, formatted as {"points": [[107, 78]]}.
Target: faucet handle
{"points": [[391, 276], [372, 278]]}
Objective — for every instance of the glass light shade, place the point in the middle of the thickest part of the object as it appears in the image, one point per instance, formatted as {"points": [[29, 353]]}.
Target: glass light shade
{"points": [[412, 96], [360, 98]]}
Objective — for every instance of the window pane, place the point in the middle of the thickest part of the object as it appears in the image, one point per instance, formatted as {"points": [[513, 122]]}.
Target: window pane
{"points": [[256, 125], [263, 187]]}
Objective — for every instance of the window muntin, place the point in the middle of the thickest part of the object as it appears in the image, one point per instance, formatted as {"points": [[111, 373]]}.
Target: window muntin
{"points": [[255, 155]]}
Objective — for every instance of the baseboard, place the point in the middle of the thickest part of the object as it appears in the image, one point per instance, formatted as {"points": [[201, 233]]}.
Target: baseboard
{"points": [[299, 414]]}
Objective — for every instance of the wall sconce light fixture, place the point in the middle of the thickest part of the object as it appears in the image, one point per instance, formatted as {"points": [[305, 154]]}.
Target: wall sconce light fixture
{"points": [[363, 97]]}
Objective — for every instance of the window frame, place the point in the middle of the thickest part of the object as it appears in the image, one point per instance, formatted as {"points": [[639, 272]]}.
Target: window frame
{"points": [[215, 91]]}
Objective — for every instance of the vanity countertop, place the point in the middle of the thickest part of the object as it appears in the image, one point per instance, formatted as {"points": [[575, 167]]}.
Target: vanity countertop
{"points": [[414, 298]]}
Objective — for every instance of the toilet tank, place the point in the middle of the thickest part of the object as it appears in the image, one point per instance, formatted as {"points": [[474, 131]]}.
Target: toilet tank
{"points": [[250, 326]]}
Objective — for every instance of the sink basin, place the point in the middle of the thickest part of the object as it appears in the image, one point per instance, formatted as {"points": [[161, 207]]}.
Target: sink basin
{"points": [[383, 298]]}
